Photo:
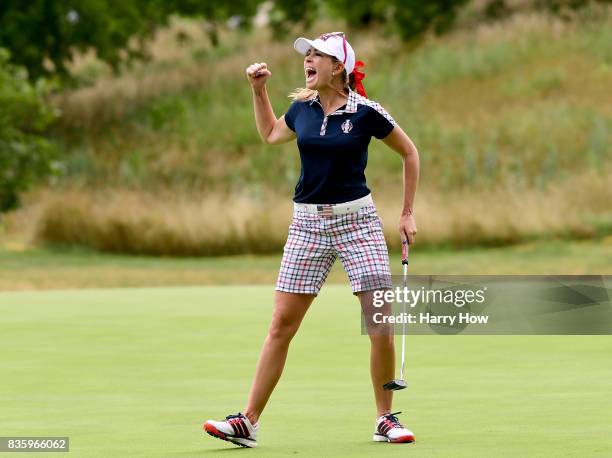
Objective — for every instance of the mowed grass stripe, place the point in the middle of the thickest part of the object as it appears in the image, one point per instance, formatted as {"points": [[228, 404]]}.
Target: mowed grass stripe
{"points": [[39, 268], [135, 372]]}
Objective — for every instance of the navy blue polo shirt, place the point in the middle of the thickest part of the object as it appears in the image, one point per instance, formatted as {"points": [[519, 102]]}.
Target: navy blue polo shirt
{"points": [[334, 148]]}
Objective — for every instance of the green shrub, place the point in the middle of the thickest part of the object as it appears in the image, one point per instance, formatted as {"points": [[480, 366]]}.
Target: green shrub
{"points": [[26, 156]]}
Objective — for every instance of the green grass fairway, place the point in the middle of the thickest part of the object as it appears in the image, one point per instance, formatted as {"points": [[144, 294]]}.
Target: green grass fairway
{"points": [[27, 268], [135, 372]]}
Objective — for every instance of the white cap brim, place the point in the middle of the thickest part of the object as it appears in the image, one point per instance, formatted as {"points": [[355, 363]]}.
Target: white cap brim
{"points": [[302, 45]]}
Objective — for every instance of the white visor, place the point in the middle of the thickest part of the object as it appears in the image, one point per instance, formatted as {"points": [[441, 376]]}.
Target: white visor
{"points": [[332, 45]]}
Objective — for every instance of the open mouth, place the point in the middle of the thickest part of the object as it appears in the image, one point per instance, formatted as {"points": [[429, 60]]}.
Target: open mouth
{"points": [[310, 74]]}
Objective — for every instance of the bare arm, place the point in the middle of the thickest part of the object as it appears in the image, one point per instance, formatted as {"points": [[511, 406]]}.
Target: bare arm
{"points": [[398, 141], [271, 130]]}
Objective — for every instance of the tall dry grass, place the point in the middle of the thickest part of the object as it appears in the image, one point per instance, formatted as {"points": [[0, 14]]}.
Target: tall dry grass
{"points": [[578, 207], [527, 98], [207, 225], [168, 225]]}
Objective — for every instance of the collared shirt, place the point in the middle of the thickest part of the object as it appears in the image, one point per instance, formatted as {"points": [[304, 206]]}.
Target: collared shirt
{"points": [[334, 148]]}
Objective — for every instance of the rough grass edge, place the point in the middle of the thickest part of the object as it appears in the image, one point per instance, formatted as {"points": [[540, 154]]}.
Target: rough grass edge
{"points": [[132, 222]]}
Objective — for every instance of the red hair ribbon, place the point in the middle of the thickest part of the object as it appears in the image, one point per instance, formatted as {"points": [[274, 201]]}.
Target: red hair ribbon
{"points": [[358, 77]]}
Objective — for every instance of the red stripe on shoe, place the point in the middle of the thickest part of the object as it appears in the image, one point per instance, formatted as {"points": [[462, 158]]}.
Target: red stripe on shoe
{"points": [[244, 427], [244, 430], [383, 428], [240, 429], [237, 431]]}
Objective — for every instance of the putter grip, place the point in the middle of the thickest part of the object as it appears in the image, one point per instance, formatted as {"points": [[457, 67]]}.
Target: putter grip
{"points": [[404, 251]]}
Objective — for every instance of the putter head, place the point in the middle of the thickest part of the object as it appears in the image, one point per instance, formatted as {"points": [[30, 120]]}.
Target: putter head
{"points": [[395, 385]]}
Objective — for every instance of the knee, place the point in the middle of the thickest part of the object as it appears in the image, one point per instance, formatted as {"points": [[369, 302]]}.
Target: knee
{"points": [[282, 328]]}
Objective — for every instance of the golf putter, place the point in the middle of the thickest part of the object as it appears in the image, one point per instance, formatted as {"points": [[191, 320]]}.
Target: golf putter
{"points": [[400, 384]]}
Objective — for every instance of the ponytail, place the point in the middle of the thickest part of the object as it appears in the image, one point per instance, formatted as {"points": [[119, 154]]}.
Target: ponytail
{"points": [[302, 93]]}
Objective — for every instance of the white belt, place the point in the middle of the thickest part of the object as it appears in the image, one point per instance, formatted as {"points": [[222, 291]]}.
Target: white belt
{"points": [[334, 209]]}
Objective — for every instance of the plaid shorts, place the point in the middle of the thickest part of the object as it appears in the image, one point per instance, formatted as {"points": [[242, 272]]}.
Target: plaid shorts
{"points": [[315, 241]]}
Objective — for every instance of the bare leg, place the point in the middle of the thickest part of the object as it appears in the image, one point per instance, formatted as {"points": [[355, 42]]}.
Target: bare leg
{"points": [[289, 310], [382, 353]]}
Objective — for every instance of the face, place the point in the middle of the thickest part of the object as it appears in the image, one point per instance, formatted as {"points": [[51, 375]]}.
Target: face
{"points": [[318, 68]]}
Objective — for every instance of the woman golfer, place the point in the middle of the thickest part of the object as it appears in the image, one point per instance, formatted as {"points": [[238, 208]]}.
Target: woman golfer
{"points": [[334, 217]]}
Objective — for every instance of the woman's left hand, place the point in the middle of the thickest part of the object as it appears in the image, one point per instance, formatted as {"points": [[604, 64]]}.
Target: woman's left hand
{"points": [[407, 228]]}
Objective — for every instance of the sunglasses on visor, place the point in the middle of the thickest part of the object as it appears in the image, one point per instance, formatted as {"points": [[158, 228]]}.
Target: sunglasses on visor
{"points": [[325, 36]]}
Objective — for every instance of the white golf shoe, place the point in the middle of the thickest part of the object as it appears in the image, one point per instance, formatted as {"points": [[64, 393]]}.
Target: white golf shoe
{"points": [[389, 429], [235, 428]]}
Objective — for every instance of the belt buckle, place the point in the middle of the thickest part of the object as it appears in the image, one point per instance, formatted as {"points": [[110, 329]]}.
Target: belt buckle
{"points": [[325, 210]]}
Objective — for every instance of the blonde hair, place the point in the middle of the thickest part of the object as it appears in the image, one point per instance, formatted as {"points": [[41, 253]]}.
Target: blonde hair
{"points": [[301, 93]]}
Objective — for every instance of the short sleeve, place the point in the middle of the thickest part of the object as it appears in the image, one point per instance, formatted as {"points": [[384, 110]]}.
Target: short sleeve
{"points": [[291, 115], [381, 122]]}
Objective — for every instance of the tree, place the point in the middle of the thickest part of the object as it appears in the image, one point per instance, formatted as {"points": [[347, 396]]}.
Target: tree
{"points": [[39, 32], [284, 13], [411, 18], [415, 18], [25, 155]]}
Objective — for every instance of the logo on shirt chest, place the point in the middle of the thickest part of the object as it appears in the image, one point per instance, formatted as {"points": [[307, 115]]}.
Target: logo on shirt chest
{"points": [[346, 126]]}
